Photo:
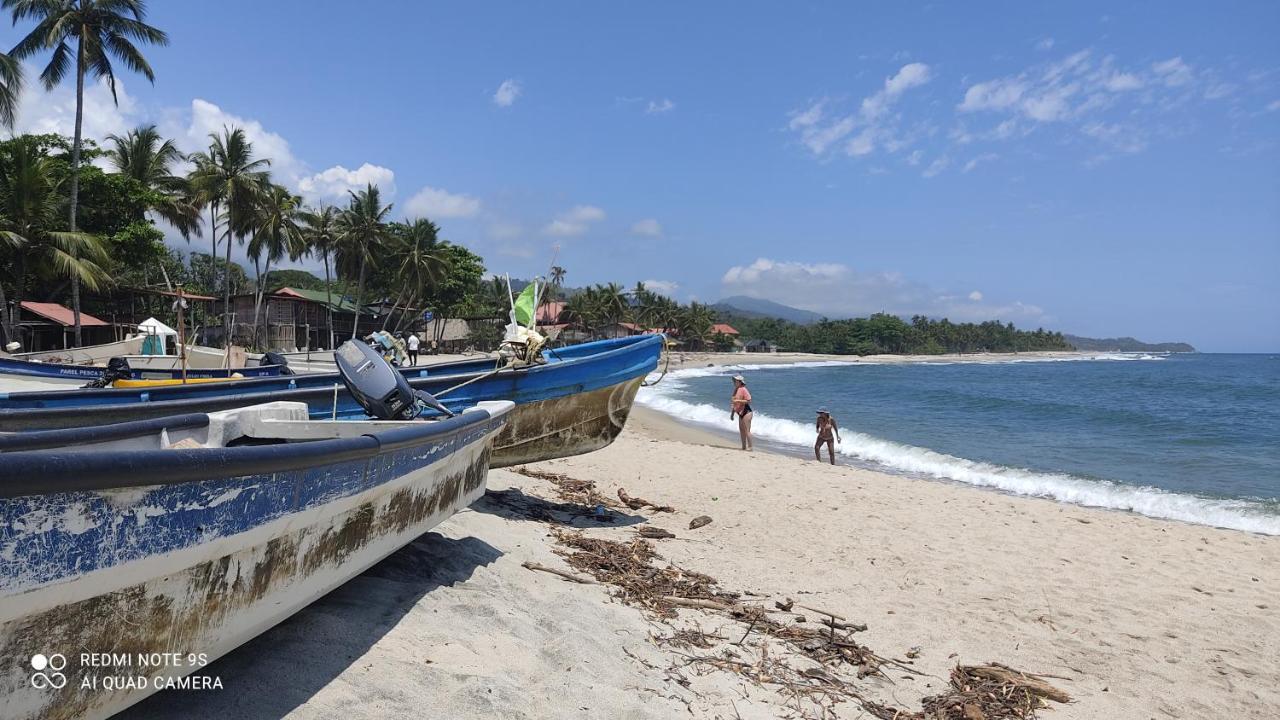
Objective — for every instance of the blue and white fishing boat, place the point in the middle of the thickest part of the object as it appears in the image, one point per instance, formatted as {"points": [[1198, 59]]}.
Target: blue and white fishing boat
{"points": [[166, 543], [575, 402]]}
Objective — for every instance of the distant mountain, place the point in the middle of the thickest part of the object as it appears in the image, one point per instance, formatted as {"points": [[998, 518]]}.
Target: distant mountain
{"points": [[749, 307], [1124, 344]]}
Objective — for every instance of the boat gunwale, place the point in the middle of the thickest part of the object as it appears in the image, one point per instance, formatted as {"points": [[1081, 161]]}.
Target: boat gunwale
{"points": [[44, 472]]}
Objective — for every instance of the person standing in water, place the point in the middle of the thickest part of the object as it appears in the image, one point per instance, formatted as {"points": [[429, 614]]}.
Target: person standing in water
{"points": [[826, 426], [740, 405]]}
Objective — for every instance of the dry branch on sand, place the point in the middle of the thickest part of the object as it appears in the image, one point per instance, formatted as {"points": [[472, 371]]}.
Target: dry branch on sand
{"points": [[636, 503], [570, 489]]}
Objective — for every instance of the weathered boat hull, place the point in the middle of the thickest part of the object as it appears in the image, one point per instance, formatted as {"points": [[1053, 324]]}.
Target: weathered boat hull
{"points": [[564, 426], [195, 569]]}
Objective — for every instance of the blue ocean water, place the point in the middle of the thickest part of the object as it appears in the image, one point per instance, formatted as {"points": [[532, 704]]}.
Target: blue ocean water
{"points": [[1192, 437]]}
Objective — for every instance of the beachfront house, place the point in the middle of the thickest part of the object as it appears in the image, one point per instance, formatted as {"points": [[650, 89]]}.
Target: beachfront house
{"points": [[760, 346]]}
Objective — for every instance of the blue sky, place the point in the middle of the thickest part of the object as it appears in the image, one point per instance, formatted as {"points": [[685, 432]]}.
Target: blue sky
{"points": [[1099, 168]]}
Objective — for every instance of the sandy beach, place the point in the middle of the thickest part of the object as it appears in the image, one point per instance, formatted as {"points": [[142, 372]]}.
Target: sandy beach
{"points": [[1134, 617]]}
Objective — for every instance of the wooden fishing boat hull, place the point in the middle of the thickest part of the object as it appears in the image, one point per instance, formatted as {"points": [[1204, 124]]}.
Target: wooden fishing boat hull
{"points": [[199, 566], [576, 403]]}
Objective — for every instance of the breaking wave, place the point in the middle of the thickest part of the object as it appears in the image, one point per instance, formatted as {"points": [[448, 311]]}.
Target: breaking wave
{"points": [[895, 457]]}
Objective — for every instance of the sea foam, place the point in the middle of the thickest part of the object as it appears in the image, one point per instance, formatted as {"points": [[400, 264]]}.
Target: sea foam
{"points": [[922, 462]]}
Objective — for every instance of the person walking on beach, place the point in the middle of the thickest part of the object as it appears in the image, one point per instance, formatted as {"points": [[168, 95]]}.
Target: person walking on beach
{"points": [[413, 348], [741, 406], [826, 426]]}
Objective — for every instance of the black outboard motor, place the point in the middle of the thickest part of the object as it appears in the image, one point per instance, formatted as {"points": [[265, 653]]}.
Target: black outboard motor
{"points": [[117, 369], [274, 358], [379, 388]]}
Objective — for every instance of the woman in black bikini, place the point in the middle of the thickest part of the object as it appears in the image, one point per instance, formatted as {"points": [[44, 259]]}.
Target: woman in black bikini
{"points": [[740, 405]]}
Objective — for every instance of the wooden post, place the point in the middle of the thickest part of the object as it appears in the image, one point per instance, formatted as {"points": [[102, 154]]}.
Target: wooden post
{"points": [[182, 336]]}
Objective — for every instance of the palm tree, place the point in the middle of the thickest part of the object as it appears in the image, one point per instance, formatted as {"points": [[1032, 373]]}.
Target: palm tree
{"points": [[424, 262], [30, 203], [362, 232], [228, 177], [141, 154], [10, 89], [614, 307], [102, 30], [319, 234], [275, 233]]}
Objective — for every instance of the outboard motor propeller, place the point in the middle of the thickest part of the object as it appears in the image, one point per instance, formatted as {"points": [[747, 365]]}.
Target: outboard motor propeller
{"points": [[379, 388], [117, 369], [274, 358]]}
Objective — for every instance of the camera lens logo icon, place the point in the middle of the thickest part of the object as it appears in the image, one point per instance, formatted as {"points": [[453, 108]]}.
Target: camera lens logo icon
{"points": [[48, 671]]}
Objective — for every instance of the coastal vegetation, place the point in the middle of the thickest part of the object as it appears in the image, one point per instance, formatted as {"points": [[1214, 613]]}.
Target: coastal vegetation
{"points": [[882, 333]]}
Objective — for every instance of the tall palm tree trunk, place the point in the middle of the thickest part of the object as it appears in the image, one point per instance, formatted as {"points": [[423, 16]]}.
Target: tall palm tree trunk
{"points": [[75, 177], [328, 298], [257, 300], [226, 290], [359, 298], [213, 255], [6, 320]]}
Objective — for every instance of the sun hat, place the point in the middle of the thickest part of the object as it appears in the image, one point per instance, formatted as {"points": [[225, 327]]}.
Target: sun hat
{"points": [[740, 379], [823, 411]]}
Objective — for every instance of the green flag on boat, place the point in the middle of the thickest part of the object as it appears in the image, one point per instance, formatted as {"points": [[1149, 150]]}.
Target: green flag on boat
{"points": [[525, 304]]}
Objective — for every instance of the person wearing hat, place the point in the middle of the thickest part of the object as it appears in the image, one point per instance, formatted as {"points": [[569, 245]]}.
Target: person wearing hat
{"points": [[740, 405], [826, 426]]}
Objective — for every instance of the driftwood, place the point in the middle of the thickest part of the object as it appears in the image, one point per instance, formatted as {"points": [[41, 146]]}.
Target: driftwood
{"points": [[654, 533], [1007, 675], [636, 503], [699, 521], [566, 575]]}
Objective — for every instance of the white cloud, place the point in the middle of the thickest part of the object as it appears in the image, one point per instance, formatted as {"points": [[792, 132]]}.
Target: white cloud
{"points": [[993, 95], [878, 128], [837, 290], [575, 221], [1121, 82], [936, 167], [975, 162], [333, 184], [507, 93], [1173, 72], [648, 227], [660, 106], [662, 287], [909, 76], [1273, 106], [42, 112], [1045, 44], [434, 203], [915, 157], [207, 118]]}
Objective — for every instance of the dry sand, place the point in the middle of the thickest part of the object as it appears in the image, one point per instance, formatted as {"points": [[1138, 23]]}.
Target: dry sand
{"points": [[1148, 619]]}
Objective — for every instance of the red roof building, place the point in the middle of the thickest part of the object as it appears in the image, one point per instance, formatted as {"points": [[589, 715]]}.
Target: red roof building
{"points": [[61, 314], [723, 329]]}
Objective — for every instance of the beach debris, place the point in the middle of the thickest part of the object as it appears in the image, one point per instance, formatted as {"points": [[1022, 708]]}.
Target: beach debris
{"points": [[981, 692], [636, 503], [784, 606], [699, 521], [655, 533], [529, 565], [582, 492]]}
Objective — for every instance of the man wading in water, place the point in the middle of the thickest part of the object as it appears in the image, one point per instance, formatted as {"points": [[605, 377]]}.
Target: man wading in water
{"points": [[826, 426], [741, 406]]}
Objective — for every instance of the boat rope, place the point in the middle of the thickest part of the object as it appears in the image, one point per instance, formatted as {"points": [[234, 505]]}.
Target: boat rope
{"points": [[666, 352], [499, 368]]}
